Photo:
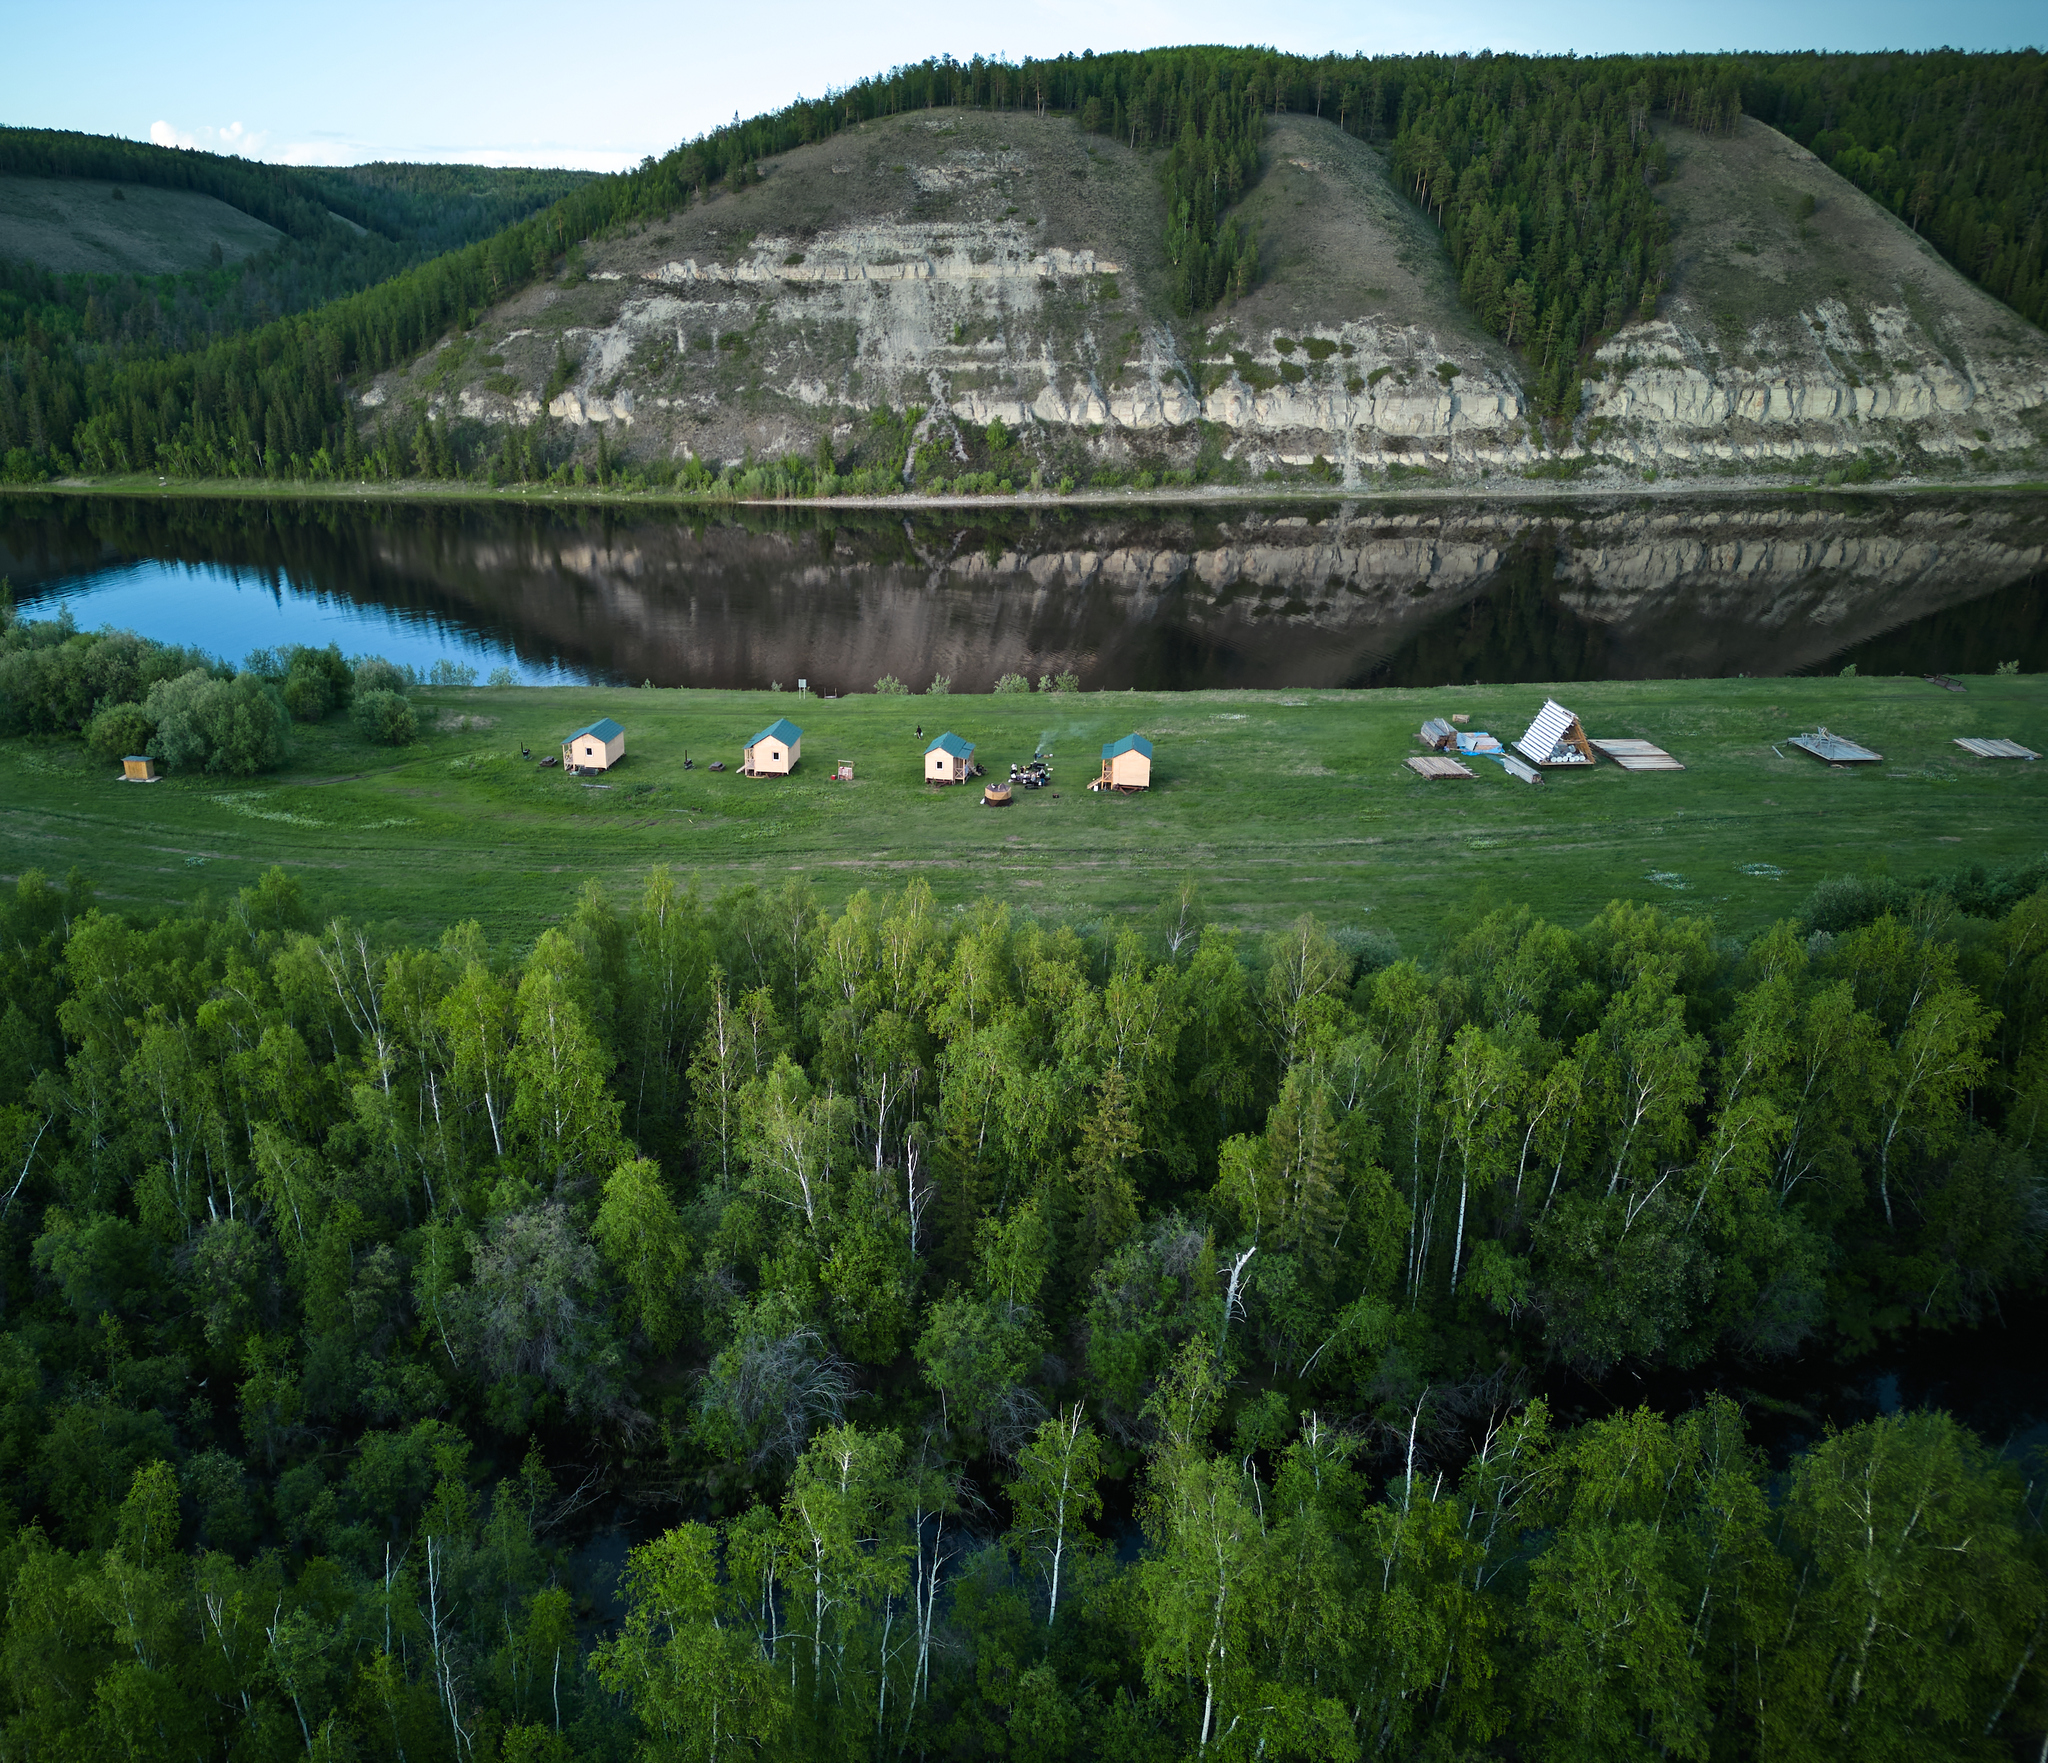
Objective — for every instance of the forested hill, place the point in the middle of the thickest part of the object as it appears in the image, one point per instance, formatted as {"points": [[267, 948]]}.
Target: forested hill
{"points": [[1543, 180], [435, 207], [344, 231]]}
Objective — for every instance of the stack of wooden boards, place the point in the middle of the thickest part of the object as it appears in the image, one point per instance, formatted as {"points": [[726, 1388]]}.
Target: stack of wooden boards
{"points": [[1633, 755], [1436, 765]]}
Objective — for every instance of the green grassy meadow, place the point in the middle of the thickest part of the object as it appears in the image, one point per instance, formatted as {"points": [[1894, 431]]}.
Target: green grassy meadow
{"points": [[1275, 802]]}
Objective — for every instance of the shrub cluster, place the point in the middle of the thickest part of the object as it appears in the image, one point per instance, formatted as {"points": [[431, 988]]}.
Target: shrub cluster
{"points": [[126, 694]]}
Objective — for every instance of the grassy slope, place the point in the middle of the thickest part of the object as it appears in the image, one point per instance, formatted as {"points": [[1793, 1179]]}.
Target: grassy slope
{"points": [[1338, 241], [74, 226], [1746, 263], [1275, 802]]}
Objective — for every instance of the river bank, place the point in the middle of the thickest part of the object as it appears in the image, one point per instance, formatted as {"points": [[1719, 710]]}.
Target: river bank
{"points": [[1274, 802], [1485, 490]]}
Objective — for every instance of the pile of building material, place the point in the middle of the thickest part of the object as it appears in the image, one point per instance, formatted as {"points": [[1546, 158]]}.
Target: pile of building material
{"points": [[1555, 738], [1477, 741], [1995, 749], [1436, 765], [1437, 734], [1637, 755], [1834, 749]]}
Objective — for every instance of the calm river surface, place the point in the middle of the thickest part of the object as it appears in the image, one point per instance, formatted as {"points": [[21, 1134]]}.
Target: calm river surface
{"points": [[1338, 594]]}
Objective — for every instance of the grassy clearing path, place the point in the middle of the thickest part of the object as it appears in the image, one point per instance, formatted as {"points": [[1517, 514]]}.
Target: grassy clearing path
{"points": [[1275, 802]]}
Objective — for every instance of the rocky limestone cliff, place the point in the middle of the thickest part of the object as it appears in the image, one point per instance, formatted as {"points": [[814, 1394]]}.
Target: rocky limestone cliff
{"points": [[978, 267]]}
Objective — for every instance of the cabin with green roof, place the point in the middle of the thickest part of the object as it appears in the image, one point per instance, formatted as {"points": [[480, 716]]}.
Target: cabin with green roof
{"points": [[597, 746], [774, 751], [1126, 765], [947, 759]]}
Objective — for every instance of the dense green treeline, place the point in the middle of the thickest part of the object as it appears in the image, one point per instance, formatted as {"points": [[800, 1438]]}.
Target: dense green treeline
{"points": [[1541, 171], [1011, 1339]]}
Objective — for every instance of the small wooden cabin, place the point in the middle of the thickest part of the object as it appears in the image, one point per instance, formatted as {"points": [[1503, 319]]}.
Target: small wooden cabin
{"points": [[597, 746], [138, 768], [1126, 764], [774, 751], [946, 760], [1555, 738]]}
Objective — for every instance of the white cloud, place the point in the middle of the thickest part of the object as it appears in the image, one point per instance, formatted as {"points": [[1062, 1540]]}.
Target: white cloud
{"points": [[234, 138]]}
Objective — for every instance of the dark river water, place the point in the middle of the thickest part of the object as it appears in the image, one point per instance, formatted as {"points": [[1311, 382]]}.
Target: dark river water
{"points": [[1348, 594]]}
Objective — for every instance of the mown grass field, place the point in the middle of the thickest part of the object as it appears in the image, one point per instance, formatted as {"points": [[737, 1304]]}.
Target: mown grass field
{"points": [[1275, 802]]}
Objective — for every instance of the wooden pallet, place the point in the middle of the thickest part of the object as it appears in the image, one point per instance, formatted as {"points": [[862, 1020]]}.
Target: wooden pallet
{"points": [[1633, 755], [1435, 765], [1833, 749]]}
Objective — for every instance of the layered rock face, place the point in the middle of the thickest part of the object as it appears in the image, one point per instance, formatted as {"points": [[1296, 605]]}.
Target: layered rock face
{"points": [[1669, 402], [1010, 268]]}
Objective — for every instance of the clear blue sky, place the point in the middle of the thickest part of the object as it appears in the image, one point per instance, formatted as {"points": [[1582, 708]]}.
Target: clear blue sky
{"points": [[527, 83]]}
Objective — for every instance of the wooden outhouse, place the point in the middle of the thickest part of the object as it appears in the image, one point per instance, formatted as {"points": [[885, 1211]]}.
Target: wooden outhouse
{"points": [[774, 751], [1126, 764], [138, 768], [946, 760], [597, 746]]}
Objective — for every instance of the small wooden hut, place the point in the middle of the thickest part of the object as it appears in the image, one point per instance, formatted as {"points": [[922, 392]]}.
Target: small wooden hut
{"points": [[597, 746], [138, 768], [946, 760], [774, 751], [1555, 738], [1126, 764]]}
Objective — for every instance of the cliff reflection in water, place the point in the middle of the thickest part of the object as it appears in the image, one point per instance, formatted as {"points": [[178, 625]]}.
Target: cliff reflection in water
{"points": [[1348, 594]]}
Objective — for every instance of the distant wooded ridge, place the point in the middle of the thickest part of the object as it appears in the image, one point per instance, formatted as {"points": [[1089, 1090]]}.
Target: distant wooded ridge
{"points": [[1540, 171]]}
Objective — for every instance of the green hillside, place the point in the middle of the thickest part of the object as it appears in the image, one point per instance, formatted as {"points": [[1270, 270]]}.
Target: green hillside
{"points": [[196, 248], [81, 226]]}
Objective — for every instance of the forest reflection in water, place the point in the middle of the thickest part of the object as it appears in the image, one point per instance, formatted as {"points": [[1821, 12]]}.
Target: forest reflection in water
{"points": [[1344, 594]]}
